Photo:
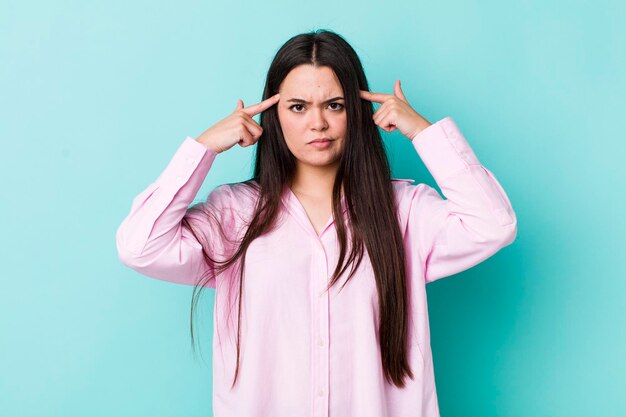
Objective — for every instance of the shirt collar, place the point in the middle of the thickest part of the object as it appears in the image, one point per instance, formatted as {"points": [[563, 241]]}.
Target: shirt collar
{"points": [[291, 201], [295, 208]]}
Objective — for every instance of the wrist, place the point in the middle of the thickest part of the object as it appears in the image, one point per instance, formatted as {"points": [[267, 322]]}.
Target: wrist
{"points": [[209, 146], [420, 128]]}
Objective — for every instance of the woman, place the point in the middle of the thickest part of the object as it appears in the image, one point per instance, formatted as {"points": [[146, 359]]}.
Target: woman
{"points": [[321, 200]]}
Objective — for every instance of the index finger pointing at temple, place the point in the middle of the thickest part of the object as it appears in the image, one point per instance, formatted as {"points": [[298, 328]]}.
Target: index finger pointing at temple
{"points": [[377, 97], [262, 106]]}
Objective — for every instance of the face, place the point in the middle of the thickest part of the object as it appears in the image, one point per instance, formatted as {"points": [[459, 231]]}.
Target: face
{"points": [[312, 107]]}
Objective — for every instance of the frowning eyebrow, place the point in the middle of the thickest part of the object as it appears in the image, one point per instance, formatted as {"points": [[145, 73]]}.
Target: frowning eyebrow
{"points": [[299, 100]]}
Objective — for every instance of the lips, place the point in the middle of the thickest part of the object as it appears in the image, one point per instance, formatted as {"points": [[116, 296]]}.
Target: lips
{"points": [[321, 140]]}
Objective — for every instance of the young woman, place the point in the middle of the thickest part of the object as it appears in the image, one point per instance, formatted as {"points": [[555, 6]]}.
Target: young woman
{"points": [[322, 255]]}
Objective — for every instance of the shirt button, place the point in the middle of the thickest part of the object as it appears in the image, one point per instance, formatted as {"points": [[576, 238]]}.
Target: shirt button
{"points": [[189, 161], [179, 178], [320, 392], [320, 342]]}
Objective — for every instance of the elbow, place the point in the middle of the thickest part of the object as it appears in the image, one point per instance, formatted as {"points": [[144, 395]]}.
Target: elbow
{"points": [[509, 232], [127, 258], [142, 263], [125, 254], [498, 231]]}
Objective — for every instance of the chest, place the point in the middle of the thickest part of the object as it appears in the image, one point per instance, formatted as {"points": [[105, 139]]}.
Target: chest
{"points": [[319, 212], [290, 264]]}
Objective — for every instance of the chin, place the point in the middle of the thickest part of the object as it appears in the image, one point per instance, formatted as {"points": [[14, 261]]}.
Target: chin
{"points": [[321, 162]]}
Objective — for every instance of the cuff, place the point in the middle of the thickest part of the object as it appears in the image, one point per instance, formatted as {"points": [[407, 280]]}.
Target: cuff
{"points": [[188, 156], [444, 150]]}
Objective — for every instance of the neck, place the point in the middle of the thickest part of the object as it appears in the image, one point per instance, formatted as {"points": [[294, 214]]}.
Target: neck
{"points": [[314, 182]]}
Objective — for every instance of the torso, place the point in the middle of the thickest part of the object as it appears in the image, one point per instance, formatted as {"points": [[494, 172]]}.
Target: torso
{"points": [[318, 211]]}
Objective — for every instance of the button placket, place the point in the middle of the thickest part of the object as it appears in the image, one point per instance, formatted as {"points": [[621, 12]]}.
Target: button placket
{"points": [[321, 355]]}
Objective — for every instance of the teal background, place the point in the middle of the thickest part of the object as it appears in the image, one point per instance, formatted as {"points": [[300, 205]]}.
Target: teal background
{"points": [[97, 96]]}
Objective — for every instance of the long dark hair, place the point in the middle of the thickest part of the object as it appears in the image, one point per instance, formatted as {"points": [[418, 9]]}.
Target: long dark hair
{"points": [[363, 172]]}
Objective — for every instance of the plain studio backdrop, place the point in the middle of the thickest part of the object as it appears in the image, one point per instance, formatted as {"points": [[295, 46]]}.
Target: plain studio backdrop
{"points": [[97, 96]]}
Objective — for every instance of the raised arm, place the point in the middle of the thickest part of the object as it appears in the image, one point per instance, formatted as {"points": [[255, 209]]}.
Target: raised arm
{"points": [[151, 239], [476, 218], [473, 222]]}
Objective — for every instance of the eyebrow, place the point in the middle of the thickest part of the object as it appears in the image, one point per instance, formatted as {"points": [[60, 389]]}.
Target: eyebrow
{"points": [[299, 100]]}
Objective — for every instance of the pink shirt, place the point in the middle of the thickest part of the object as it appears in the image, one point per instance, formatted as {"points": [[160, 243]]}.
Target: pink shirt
{"points": [[306, 352]]}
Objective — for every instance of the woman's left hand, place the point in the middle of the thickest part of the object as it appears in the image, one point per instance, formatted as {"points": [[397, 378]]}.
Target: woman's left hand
{"points": [[396, 112]]}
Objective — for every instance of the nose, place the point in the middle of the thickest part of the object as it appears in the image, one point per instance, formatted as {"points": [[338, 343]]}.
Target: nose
{"points": [[318, 120]]}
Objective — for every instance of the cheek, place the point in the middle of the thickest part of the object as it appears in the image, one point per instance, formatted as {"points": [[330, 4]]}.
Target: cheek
{"points": [[341, 121], [289, 128], [293, 128]]}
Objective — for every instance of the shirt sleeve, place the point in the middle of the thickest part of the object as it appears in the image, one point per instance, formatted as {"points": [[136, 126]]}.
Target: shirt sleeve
{"points": [[151, 239], [473, 222]]}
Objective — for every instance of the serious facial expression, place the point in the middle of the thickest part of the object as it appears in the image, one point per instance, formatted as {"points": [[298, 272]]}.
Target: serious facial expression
{"points": [[312, 107]]}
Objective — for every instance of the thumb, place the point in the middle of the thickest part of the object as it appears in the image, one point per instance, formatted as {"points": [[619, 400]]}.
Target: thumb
{"points": [[397, 89], [239, 105]]}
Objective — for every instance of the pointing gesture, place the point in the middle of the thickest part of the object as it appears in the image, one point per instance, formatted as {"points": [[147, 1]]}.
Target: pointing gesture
{"points": [[255, 109], [238, 127], [396, 112]]}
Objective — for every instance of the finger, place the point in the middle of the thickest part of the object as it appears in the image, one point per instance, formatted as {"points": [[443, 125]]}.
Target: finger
{"points": [[397, 89], [375, 97], [387, 119], [386, 123], [239, 105], [262, 106], [246, 138], [380, 116], [253, 127]]}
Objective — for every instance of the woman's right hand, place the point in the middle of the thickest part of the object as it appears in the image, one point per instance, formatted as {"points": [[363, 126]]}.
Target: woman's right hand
{"points": [[238, 127]]}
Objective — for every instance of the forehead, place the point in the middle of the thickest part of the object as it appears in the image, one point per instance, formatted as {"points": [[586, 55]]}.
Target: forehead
{"points": [[310, 83]]}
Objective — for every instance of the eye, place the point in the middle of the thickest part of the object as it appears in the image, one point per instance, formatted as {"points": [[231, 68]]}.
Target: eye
{"points": [[340, 106]]}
